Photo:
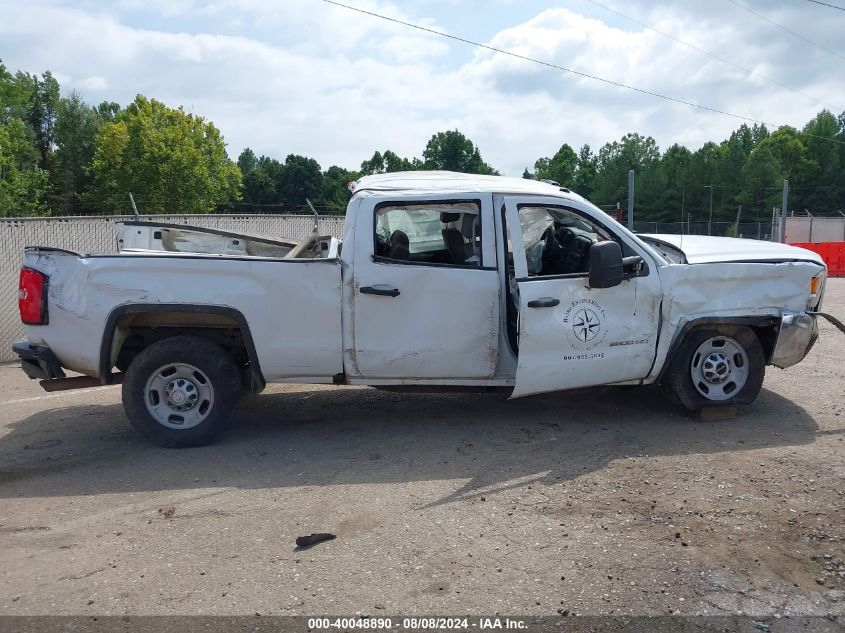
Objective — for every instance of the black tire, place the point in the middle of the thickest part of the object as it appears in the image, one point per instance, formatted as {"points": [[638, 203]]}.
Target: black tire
{"points": [[678, 382], [217, 373]]}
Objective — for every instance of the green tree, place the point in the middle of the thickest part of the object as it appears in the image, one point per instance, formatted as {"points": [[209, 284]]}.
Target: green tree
{"points": [[23, 184], [15, 94], [247, 161], [107, 111], [561, 167], [42, 112], [386, 163], [301, 178], [585, 175], [787, 146], [171, 161], [828, 159], [452, 151], [261, 179], [761, 174], [335, 194], [673, 180], [77, 126], [615, 159]]}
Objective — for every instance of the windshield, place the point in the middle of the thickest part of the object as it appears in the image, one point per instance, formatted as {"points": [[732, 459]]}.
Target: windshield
{"points": [[669, 253]]}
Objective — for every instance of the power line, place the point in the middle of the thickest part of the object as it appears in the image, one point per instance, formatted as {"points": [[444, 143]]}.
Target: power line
{"points": [[832, 6], [713, 55], [783, 28], [565, 69]]}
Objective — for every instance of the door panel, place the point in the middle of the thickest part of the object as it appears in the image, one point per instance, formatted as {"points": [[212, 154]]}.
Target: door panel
{"points": [[573, 336], [417, 318]]}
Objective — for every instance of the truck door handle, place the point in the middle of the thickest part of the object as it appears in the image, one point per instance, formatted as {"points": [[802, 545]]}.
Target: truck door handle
{"points": [[544, 302], [382, 292]]}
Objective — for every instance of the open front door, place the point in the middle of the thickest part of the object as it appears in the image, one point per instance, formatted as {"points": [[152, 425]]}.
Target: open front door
{"points": [[570, 335]]}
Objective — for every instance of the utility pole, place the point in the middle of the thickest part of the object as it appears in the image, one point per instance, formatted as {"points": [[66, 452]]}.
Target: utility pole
{"points": [[631, 200], [710, 217], [775, 236], [783, 209], [736, 226]]}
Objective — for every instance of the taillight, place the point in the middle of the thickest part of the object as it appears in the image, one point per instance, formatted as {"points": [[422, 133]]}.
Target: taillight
{"points": [[32, 297]]}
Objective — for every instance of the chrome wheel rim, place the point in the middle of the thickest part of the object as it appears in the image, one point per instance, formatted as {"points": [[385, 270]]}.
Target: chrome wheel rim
{"points": [[719, 368], [179, 396]]}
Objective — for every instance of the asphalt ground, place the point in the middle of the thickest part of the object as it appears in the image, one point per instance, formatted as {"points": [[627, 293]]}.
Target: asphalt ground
{"points": [[600, 501]]}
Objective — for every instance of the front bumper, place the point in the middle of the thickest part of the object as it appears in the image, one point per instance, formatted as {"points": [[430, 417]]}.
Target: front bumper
{"points": [[798, 333], [38, 362]]}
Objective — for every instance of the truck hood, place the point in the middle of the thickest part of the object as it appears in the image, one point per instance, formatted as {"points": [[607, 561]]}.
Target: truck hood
{"points": [[703, 249]]}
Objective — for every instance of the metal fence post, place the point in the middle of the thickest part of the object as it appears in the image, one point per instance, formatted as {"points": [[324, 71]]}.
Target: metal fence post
{"points": [[783, 212]]}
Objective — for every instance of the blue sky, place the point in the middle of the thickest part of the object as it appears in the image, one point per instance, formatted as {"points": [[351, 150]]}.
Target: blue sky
{"points": [[302, 76]]}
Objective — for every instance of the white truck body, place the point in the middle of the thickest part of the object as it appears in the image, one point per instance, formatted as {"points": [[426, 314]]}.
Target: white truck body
{"points": [[375, 311]]}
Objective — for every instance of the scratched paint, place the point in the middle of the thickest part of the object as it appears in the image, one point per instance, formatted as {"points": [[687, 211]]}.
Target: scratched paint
{"points": [[290, 306]]}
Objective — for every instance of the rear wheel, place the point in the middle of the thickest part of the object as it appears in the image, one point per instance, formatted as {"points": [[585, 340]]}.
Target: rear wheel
{"points": [[180, 391], [717, 365]]}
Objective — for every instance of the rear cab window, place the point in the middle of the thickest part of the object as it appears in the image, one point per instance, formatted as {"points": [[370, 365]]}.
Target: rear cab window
{"points": [[442, 233]]}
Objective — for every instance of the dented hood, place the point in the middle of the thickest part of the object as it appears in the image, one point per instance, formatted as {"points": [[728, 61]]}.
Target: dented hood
{"points": [[703, 249]]}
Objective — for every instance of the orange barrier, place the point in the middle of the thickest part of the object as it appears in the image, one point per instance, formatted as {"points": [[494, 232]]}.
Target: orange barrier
{"points": [[833, 254]]}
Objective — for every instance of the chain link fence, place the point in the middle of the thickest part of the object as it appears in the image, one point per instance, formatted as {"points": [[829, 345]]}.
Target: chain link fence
{"points": [[798, 229], [97, 234], [90, 234], [748, 230]]}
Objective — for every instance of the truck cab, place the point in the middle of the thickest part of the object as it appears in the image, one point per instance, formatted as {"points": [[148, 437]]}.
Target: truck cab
{"points": [[476, 287]]}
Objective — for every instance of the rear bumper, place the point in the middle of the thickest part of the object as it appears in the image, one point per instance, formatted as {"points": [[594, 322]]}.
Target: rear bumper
{"points": [[37, 361], [798, 333]]}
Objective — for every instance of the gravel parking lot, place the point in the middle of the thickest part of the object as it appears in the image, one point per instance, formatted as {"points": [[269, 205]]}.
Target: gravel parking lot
{"points": [[592, 502]]}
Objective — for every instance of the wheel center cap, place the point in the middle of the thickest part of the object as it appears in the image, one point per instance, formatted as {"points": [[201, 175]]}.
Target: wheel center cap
{"points": [[717, 368], [178, 397]]}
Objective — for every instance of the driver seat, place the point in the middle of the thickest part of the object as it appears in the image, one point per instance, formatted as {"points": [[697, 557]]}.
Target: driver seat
{"points": [[399, 246]]}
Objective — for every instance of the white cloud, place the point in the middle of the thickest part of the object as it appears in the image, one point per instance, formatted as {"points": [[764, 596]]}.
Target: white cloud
{"points": [[299, 76], [94, 83]]}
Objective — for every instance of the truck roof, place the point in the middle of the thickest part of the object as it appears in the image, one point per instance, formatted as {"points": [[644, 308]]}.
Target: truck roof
{"points": [[450, 181]]}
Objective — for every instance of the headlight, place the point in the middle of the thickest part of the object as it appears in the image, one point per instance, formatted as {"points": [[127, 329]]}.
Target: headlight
{"points": [[816, 290]]}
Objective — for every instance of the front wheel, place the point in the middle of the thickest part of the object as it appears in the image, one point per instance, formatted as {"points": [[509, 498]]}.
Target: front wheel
{"points": [[717, 365], [180, 391]]}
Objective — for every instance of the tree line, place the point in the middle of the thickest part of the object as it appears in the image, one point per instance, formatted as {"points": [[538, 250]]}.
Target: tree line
{"points": [[62, 156]]}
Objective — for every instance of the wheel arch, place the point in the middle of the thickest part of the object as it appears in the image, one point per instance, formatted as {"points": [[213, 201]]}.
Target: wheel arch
{"points": [[765, 327], [199, 317]]}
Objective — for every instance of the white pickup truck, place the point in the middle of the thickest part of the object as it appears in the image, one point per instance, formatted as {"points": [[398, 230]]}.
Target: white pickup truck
{"points": [[441, 280]]}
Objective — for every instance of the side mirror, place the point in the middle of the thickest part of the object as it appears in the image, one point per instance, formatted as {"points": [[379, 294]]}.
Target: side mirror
{"points": [[605, 264]]}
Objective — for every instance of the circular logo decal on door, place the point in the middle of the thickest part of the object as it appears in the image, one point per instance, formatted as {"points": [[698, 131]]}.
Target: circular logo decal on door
{"points": [[586, 325], [587, 321]]}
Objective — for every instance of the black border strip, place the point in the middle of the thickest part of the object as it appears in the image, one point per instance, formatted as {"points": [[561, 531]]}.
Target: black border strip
{"points": [[105, 368]]}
